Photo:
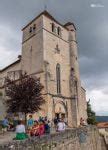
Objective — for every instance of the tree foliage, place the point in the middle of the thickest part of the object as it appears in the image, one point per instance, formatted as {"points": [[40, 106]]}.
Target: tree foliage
{"points": [[91, 114], [24, 95]]}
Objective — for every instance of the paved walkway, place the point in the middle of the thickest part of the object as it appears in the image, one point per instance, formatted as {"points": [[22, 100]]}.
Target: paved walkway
{"points": [[7, 137]]}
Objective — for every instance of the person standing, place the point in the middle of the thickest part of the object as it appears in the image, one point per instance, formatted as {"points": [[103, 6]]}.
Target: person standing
{"points": [[55, 123], [30, 122], [47, 127], [61, 126]]}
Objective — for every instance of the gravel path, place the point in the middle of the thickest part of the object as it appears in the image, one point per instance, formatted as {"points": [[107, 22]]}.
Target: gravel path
{"points": [[7, 137]]}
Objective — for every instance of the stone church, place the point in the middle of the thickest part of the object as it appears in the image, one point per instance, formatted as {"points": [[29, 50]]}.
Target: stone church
{"points": [[49, 51]]}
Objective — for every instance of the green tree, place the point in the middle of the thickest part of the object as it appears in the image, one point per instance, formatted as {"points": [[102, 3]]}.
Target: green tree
{"points": [[91, 114]]}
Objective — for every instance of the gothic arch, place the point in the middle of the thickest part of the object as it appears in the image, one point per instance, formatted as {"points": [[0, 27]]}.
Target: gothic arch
{"points": [[60, 107]]}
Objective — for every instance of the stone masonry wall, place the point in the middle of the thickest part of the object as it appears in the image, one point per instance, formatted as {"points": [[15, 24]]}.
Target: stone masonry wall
{"points": [[73, 139]]}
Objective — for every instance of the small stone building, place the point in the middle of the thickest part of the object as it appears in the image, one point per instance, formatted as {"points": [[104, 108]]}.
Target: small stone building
{"points": [[49, 51]]}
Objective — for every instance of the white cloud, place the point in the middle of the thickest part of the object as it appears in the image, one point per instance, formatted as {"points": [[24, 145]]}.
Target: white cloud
{"points": [[9, 46], [96, 5], [7, 57], [99, 101]]}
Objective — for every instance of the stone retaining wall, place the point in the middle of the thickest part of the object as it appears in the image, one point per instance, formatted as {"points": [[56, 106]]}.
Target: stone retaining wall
{"points": [[87, 138]]}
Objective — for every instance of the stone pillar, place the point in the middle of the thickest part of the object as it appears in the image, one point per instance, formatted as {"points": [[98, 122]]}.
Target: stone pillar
{"points": [[75, 84]]}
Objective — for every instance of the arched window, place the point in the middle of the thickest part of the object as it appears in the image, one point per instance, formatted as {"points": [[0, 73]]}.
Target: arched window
{"points": [[30, 30], [53, 27], [58, 78], [34, 27], [59, 31]]}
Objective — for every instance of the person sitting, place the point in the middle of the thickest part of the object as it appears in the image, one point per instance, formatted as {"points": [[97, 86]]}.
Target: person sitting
{"points": [[5, 124], [82, 122], [35, 129], [41, 128], [20, 131], [40, 119], [11, 126]]}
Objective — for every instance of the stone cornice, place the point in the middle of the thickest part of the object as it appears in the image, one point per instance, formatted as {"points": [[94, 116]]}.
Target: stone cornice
{"points": [[59, 96]]}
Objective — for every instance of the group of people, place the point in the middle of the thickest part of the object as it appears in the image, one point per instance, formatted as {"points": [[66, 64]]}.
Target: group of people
{"points": [[38, 127], [34, 127]]}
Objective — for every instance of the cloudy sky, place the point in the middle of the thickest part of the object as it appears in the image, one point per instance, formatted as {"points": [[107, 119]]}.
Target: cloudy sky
{"points": [[91, 19]]}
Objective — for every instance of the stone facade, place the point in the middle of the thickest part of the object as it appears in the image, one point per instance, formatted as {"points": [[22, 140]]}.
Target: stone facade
{"points": [[49, 51], [74, 139]]}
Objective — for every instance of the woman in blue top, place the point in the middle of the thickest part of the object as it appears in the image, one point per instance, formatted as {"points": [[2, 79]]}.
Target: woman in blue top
{"points": [[30, 122]]}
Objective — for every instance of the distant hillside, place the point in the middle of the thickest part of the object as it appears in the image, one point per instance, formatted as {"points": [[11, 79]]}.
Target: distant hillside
{"points": [[102, 118]]}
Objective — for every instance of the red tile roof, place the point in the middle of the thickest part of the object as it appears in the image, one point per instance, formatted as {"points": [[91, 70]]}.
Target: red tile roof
{"points": [[102, 125]]}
